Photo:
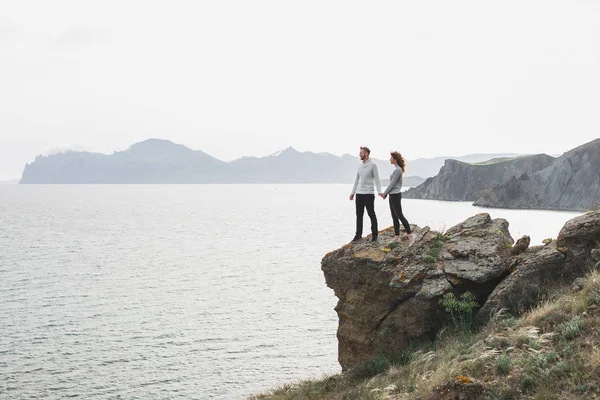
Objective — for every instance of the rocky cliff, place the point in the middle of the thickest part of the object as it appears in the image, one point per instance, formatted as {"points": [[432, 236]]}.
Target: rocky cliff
{"points": [[572, 182], [389, 297], [460, 181]]}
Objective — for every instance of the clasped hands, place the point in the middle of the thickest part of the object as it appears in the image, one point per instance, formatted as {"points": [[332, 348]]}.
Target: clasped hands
{"points": [[382, 195]]}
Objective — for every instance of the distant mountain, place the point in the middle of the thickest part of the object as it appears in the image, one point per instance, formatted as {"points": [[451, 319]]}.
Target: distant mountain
{"points": [[571, 182], [461, 181], [292, 166], [162, 161], [151, 161]]}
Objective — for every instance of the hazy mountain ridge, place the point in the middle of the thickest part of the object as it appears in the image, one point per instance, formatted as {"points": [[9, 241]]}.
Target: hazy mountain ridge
{"points": [[568, 182], [162, 161], [151, 161], [461, 181], [571, 182]]}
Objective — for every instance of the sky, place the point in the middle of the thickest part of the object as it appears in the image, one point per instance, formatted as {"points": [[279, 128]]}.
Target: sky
{"points": [[249, 78]]}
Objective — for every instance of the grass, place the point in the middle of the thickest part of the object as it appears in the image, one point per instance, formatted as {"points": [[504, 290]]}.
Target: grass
{"points": [[503, 363], [428, 259], [550, 352], [461, 310], [570, 330], [495, 160], [432, 254]]}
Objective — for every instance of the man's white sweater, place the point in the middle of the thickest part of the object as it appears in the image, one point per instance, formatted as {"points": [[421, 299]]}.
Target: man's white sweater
{"points": [[367, 175]]}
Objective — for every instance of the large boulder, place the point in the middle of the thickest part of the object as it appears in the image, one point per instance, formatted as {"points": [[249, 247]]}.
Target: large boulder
{"points": [[389, 296], [541, 269]]}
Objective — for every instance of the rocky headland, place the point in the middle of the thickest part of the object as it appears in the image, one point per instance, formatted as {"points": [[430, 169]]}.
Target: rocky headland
{"points": [[461, 181], [569, 182], [390, 295]]}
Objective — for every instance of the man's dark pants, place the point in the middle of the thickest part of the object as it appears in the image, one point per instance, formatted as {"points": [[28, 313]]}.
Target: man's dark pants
{"points": [[365, 201]]}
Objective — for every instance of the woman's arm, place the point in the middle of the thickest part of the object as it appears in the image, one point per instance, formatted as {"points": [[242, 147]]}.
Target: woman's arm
{"points": [[394, 180]]}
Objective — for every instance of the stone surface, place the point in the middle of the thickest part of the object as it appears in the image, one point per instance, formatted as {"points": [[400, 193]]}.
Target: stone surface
{"points": [[388, 297], [578, 284], [542, 268], [521, 245], [595, 254]]}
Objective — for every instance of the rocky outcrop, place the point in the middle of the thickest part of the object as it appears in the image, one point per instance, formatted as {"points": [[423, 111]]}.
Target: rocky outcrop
{"points": [[521, 245], [542, 268], [389, 296], [460, 181], [572, 182]]}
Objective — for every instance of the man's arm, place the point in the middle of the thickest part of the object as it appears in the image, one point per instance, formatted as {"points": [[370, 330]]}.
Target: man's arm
{"points": [[355, 186], [376, 178]]}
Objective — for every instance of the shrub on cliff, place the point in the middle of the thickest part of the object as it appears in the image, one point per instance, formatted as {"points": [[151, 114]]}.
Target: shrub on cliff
{"points": [[461, 309]]}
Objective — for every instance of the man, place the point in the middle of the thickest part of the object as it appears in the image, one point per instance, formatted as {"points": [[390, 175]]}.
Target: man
{"points": [[367, 175]]}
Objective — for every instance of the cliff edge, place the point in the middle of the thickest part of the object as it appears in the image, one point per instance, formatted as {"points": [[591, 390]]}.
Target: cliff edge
{"points": [[390, 295]]}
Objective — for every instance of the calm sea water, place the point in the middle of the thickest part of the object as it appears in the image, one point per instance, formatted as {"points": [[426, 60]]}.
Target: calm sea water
{"points": [[204, 292]]}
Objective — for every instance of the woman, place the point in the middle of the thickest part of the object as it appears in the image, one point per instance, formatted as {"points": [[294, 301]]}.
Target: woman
{"points": [[394, 189]]}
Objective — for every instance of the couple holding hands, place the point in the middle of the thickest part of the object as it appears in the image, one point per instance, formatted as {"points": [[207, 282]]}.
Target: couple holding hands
{"points": [[366, 177]]}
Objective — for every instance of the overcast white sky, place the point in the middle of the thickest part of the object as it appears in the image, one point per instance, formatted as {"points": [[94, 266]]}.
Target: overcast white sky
{"points": [[234, 78]]}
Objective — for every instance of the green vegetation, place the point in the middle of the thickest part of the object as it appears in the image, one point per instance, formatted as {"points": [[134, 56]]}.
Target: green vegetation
{"points": [[432, 254], [440, 237], [495, 160], [389, 247], [387, 357], [551, 352], [428, 259], [570, 330], [460, 309], [503, 363]]}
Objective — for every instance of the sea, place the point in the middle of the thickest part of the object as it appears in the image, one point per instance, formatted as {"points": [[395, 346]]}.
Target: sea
{"points": [[182, 291]]}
